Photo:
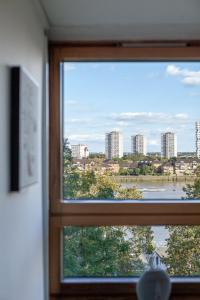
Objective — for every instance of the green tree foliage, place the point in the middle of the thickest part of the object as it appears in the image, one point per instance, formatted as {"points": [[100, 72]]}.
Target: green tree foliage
{"points": [[146, 170], [101, 251], [136, 171], [183, 244], [193, 190], [124, 172], [129, 193], [183, 251], [71, 178], [106, 251], [97, 155], [88, 185], [197, 172]]}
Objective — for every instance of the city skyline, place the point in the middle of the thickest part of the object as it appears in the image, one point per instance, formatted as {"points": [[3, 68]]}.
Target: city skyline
{"points": [[139, 145], [145, 98]]}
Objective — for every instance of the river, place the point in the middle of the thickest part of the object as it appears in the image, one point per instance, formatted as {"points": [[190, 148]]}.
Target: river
{"points": [[158, 190]]}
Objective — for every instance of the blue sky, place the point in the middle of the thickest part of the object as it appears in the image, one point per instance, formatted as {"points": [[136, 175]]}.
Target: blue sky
{"points": [[133, 97]]}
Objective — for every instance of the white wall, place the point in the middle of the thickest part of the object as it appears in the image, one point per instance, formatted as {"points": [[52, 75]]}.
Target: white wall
{"points": [[22, 42], [84, 20]]}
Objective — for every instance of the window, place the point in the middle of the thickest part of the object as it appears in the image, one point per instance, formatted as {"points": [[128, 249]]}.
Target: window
{"points": [[68, 217], [127, 251]]}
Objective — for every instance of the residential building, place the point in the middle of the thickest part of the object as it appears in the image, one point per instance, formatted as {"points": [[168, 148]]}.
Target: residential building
{"points": [[128, 165], [156, 258], [80, 151], [110, 166], [167, 168], [187, 166], [157, 166], [198, 139], [168, 145], [139, 144], [114, 145]]}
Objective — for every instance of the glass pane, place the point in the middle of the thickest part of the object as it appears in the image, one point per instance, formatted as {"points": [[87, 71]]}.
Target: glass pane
{"points": [[131, 130], [123, 251]]}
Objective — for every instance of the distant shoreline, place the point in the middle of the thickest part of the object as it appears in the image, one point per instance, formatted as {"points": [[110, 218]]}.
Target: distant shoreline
{"points": [[150, 178]]}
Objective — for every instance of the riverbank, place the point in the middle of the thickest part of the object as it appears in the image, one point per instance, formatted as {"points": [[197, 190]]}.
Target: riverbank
{"points": [[155, 178]]}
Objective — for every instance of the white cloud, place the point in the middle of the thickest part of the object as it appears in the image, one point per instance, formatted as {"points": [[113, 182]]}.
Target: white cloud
{"points": [[150, 117], [77, 121], [181, 116], [79, 138], [192, 80], [189, 77], [173, 70], [69, 67]]}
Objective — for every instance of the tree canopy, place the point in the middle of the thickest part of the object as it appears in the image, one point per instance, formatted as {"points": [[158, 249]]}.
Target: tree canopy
{"points": [[120, 250], [183, 251], [101, 251], [106, 251], [183, 243]]}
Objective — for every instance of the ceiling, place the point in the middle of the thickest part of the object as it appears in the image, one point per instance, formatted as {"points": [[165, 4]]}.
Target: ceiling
{"points": [[123, 19]]}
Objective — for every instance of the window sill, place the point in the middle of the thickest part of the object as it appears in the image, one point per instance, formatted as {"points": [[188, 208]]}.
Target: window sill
{"points": [[127, 212], [124, 287]]}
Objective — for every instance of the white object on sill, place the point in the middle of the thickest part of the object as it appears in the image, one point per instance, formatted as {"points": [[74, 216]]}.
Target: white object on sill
{"points": [[154, 284]]}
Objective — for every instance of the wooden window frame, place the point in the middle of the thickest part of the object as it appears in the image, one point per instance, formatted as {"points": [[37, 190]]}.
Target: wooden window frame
{"points": [[94, 213]]}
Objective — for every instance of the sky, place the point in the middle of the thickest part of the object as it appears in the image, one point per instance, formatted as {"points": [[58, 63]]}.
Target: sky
{"points": [[133, 97]]}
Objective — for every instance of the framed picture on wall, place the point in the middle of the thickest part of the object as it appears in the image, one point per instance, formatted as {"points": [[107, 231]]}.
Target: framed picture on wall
{"points": [[23, 129]]}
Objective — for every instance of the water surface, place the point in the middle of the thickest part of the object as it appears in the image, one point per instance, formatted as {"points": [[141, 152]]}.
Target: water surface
{"points": [[159, 190]]}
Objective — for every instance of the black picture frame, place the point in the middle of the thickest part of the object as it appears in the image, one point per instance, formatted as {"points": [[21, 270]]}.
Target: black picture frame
{"points": [[23, 129]]}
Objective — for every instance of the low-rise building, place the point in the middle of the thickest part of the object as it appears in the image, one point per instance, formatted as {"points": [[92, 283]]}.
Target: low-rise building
{"points": [[110, 166], [157, 166], [168, 168], [80, 151], [128, 165], [157, 258], [186, 166]]}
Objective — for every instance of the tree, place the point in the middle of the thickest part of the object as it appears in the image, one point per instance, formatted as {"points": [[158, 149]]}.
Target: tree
{"points": [[101, 251], [197, 171], [97, 155], [193, 190], [183, 244], [67, 153], [146, 170], [183, 251], [104, 188], [124, 172], [128, 193], [71, 178], [136, 171], [88, 185], [106, 251]]}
